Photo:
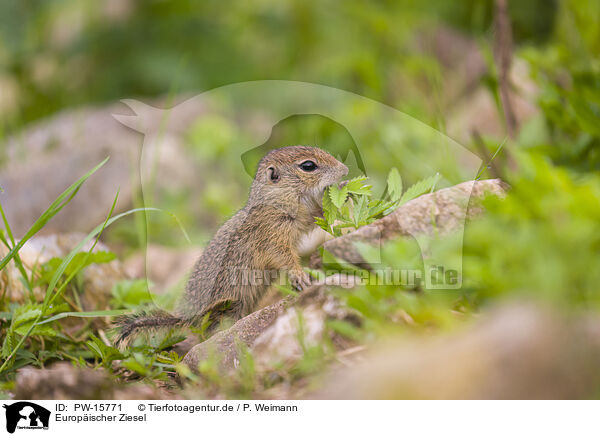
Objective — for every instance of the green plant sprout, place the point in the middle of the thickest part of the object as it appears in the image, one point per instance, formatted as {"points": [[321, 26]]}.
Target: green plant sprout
{"points": [[352, 205]]}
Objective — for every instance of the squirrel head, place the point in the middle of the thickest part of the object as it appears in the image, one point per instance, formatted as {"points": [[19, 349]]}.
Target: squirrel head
{"points": [[289, 174]]}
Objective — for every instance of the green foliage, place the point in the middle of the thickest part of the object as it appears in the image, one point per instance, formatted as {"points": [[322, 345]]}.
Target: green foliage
{"points": [[352, 205], [149, 360], [79, 262], [568, 74], [22, 321], [541, 241], [26, 320], [105, 353], [394, 185], [130, 294], [191, 46]]}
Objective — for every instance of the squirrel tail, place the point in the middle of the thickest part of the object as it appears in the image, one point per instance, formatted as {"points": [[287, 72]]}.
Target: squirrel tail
{"points": [[128, 325]]}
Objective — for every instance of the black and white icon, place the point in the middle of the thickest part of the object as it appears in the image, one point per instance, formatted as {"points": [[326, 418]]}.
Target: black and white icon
{"points": [[26, 415]]}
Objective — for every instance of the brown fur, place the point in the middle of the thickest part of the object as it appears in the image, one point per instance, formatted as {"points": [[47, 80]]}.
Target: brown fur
{"points": [[262, 237]]}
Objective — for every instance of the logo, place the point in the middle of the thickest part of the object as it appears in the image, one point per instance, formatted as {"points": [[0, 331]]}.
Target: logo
{"points": [[253, 118], [26, 415]]}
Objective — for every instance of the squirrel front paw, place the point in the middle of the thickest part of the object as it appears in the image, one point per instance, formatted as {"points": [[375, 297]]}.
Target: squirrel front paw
{"points": [[299, 280]]}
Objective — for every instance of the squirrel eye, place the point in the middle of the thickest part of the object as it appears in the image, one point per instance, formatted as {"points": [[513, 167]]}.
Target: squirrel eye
{"points": [[308, 165]]}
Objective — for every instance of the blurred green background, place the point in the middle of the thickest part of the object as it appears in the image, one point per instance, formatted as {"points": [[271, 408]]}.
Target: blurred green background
{"points": [[63, 53], [70, 53], [431, 59]]}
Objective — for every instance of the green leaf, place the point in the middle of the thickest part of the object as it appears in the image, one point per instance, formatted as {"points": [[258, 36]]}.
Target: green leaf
{"points": [[338, 196], [379, 207], [285, 290], [95, 349], [78, 262], [357, 186], [8, 344], [394, 184], [170, 340], [38, 330], [24, 314], [133, 365], [321, 222], [329, 210], [419, 188], [130, 294], [360, 213], [106, 353], [346, 329]]}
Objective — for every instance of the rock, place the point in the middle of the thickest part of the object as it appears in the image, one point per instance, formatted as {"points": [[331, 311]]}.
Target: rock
{"points": [[64, 381], [246, 330], [50, 155], [98, 279], [184, 347], [518, 351], [164, 267], [281, 342], [441, 212], [302, 325], [272, 333]]}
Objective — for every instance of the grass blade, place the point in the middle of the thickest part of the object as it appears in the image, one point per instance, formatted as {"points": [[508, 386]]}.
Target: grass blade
{"points": [[61, 201], [92, 314]]}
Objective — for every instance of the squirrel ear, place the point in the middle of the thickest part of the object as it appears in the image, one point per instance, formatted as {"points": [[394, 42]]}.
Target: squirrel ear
{"points": [[273, 174]]}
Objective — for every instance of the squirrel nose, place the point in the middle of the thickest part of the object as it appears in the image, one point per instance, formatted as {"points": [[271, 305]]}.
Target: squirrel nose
{"points": [[344, 170]]}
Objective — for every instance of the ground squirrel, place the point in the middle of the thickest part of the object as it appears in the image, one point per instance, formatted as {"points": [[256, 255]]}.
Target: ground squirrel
{"points": [[260, 240]]}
